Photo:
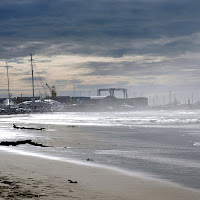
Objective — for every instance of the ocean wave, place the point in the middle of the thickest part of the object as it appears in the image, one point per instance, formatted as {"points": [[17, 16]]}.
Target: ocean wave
{"points": [[197, 144], [148, 118]]}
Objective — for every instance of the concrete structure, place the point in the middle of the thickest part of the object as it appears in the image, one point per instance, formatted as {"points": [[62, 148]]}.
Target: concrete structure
{"points": [[138, 102], [112, 91]]}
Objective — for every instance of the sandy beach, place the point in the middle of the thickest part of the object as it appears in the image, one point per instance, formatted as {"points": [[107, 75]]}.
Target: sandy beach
{"points": [[25, 177], [77, 161]]}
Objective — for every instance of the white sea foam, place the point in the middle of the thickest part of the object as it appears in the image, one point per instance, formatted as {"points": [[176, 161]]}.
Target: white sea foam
{"points": [[197, 144], [142, 118]]}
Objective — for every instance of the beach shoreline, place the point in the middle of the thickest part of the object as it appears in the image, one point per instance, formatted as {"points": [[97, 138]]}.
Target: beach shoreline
{"points": [[76, 157], [49, 179]]}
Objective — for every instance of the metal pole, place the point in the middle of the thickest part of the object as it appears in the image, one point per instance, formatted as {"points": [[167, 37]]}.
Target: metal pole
{"points": [[33, 98], [74, 94], [8, 86]]}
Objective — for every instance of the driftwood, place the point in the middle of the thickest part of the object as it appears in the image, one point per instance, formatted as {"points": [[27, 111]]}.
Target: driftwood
{"points": [[29, 128], [70, 181], [15, 143], [90, 160]]}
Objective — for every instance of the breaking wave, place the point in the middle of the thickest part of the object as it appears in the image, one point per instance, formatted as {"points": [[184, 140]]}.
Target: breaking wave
{"points": [[130, 119]]}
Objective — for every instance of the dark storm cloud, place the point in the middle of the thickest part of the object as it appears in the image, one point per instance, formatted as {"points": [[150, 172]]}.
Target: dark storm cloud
{"points": [[95, 25]]}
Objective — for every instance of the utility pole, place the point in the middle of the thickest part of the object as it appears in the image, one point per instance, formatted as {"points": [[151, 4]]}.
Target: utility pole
{"points": [[8, 86], [33, 98]]}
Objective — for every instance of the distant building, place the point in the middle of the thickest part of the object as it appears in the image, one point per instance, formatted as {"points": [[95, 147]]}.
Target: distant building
{"points": [[138, 102]]}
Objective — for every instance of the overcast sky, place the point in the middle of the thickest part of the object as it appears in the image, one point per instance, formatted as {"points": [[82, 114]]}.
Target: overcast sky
{"points": [[150, 47]]}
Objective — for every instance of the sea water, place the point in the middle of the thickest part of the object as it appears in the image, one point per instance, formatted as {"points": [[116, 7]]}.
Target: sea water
{"points": [[156, 144]]}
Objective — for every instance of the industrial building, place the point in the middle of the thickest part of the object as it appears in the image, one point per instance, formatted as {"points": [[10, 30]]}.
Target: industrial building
{"points": [[138, 102], [98, 101]]}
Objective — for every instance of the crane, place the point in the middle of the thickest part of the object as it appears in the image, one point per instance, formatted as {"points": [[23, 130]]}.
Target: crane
{"points": [[52, 90]]}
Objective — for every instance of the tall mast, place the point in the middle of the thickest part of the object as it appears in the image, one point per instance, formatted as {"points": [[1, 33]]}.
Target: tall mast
{"points": [[8, 85], [33, 98], [74, 94]]}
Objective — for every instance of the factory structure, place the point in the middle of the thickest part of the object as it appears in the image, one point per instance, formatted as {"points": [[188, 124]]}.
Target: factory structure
{"points": [[99, 100], [137, 102]]}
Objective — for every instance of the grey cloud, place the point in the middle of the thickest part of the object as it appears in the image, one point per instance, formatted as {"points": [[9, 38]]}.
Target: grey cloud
{"points": [[103, 85], [67, 82], [5, 66], [124, 69], [36, 78], [97, 25], [179, 67]]}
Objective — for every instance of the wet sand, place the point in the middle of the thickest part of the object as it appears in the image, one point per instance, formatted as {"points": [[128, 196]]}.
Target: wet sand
{"points": [[26, 177]]}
